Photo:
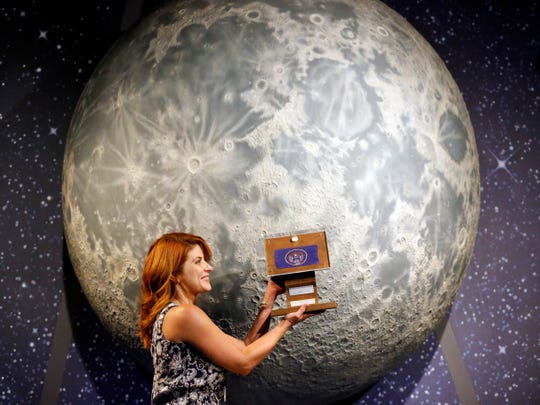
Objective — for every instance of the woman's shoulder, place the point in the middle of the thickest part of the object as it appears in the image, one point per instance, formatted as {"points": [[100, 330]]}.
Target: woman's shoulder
{"points": [[182, 313], [176, 307], [181, 318]]}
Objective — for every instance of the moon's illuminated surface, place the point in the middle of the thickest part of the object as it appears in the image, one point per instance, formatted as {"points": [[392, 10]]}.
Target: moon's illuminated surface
{"points": [[243, 120]]}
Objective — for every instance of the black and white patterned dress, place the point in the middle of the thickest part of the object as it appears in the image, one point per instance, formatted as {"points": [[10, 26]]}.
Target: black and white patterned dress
{"points": [[182, 375]]}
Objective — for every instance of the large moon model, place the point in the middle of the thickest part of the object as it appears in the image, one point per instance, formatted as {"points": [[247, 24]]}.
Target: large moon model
{"points": [[244, 120]]}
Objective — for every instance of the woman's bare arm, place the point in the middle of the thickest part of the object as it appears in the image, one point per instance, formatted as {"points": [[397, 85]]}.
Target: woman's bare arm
{"points": [[190, 324], [262, 322]]}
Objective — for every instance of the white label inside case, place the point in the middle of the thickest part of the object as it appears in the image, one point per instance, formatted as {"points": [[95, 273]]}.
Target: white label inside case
{"points": [[301, 289], [302, 302]]}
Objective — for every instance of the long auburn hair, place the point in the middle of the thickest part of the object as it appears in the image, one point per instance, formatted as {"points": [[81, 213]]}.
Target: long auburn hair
{"points": [[164, 262]]}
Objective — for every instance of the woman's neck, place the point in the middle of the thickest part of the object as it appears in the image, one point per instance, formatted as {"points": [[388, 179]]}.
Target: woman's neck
{"points": [[181, 300], [183, 297]]}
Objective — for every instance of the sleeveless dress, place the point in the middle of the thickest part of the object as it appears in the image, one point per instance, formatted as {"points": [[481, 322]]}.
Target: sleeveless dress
{"points": [[182, 375]]}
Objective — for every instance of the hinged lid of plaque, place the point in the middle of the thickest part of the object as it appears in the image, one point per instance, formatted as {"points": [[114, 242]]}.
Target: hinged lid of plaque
{"points": [[296, 253]]}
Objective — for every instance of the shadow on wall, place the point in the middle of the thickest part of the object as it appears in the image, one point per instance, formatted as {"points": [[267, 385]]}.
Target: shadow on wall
{"points": [[118, 374], [399, 383], [396, 387]]}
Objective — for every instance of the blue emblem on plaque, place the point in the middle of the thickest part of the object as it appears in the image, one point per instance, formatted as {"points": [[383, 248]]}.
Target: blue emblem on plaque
{"points": [[296, 256]]}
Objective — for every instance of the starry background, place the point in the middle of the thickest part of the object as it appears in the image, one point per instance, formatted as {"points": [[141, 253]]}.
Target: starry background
{"points": [[49, 50]]}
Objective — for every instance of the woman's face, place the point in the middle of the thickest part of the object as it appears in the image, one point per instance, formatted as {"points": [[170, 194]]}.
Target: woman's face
{"points": [[195, 274]]}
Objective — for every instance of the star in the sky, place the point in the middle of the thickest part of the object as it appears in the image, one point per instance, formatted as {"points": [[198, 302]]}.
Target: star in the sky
{"points": [[502, 349], [501, 165], [53, 131], [42, 34]]}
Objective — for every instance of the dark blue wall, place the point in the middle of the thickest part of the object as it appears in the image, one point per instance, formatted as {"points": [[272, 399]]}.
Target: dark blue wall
{"points": [[51, 340]]}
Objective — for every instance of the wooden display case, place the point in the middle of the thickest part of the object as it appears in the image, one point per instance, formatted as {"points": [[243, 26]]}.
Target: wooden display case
{"points": [[294, 259]]}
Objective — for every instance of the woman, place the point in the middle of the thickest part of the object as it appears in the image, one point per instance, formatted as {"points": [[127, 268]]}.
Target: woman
{"points": [[189, 351]]}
